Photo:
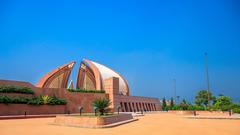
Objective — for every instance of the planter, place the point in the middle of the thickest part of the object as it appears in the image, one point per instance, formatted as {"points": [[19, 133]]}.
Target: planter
{"points": [[201, 113], [90, 121], [182, 112], [213, 113]]}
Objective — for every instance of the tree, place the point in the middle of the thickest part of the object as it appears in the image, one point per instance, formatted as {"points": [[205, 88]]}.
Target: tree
{"points": [[184, 105], [164, 104], [223, 103], [102, 105], [202, 98], [171, 103]]}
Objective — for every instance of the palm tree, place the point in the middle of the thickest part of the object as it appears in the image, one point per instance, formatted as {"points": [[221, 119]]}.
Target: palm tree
{"points": [[102, 105]]}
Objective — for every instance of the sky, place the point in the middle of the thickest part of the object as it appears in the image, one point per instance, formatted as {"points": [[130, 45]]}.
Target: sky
{"points": [[150, 42]]}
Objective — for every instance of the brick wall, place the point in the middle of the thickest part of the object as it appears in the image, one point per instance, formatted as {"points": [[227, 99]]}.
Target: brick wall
{"points": [[127, 103], [20, 109], [74, 99]]}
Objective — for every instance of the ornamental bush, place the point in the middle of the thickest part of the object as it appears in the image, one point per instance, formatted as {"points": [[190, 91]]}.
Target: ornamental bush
{"points": [[38, 100], [5, 99], [14, 100], [236, 110], [102, 105], [196, 107], [15, 89], [57, 101]]}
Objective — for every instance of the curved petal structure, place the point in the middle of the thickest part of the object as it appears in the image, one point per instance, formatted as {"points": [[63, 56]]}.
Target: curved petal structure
{"points": [[57, 78], [93, 74]]}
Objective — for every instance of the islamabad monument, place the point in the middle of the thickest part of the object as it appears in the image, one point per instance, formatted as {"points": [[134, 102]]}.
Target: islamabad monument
{"points": [[91, 76]]}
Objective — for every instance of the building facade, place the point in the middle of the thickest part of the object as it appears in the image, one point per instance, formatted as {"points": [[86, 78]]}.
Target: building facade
{"points": [[91, 76]]}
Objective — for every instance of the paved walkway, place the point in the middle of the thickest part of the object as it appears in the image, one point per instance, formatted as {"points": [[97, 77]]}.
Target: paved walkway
{"points": [[214, 117], [150, 124], [26, 116]]}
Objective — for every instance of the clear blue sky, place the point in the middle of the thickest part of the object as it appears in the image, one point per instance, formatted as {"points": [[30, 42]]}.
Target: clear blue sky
{"points": [[148, 42]]}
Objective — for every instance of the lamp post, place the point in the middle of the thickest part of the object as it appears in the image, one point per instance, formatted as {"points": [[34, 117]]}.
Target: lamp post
{"points": [[178, 97], [175, 89], [207, 77], [95, 110], [80, 110], [118, 108], [25, 113]]}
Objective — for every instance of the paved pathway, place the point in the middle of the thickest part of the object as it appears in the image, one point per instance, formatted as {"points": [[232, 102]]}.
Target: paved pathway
{"points": [[150, 124]]}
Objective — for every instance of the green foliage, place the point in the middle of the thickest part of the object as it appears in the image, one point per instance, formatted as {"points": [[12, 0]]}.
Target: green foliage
{"points": [[171, 102], [86, 91], [5, 99], [57, 101], [15, 89], [164, 104], [187, 106], [223, 103], [236, 110], [14, 100], [46, 99], [38, 100], [202, 98], [102, 105], [236, 107], [184, 105], [196, 107]]}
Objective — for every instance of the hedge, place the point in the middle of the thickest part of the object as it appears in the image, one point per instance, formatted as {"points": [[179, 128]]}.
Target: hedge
{"points": [[38, 100], [86, 91], [16, 89]]}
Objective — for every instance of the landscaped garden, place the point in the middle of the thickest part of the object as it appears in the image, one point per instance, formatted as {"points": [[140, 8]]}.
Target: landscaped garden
{"points": [[30, 100], [217, 103], [15, 89], [101, 118]]}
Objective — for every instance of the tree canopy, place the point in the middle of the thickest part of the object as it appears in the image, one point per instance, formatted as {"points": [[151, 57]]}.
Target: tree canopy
{"points": [[202, 98]]}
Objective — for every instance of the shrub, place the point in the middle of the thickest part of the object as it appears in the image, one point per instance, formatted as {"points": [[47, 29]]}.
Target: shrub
{"points": [[38, 100], [176, 107], [46, 99], [184, 105], [14, 100], [20, 100], [5, 99], [164, 104], [102, 105], [16, 89], [236, 110], [196, 107], [57, 101], [86, 91]]}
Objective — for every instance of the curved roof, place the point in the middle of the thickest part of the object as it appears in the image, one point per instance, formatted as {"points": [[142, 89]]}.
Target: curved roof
{"points": [[106, 72], [57, 78]]}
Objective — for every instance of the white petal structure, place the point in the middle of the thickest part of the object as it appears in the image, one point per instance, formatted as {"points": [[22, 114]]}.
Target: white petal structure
{"points": [[107, 73], [91, 75]]}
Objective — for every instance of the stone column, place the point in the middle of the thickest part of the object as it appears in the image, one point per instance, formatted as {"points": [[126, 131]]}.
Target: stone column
{"points": [[111, 87]]}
